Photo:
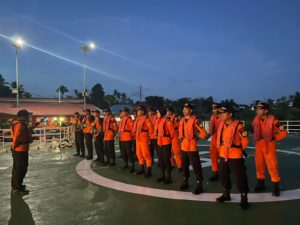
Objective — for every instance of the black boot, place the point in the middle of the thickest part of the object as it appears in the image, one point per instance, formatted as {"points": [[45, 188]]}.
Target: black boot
{"points": [[276, 189], [260, 185], [168, 179], [184, 185], [132, 170], [224, 197], [161, 177], [148, 172], [215, 176], [199, 189], [141, 170], [244, 201]]}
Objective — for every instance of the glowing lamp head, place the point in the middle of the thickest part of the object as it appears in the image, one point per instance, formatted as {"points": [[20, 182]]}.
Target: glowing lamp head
{"points": [[18, 42]]}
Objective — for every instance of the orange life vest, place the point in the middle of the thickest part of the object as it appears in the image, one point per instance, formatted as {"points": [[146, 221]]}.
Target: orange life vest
{"points": [[21, 136], [214, 123], [187, 130], [165, 131], [87, 124], [125, 128], [153, 119], [230, 132]]}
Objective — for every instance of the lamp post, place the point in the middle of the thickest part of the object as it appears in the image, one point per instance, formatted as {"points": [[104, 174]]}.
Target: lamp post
{"points": [[18, 44], [85, 48]]}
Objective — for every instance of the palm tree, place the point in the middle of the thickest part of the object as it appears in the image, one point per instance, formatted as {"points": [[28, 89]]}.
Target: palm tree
{"points": [[62, 89]]}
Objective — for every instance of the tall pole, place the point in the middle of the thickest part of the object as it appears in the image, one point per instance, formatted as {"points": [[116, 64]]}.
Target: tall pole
{"points": [[84, 80], [17, 78]]}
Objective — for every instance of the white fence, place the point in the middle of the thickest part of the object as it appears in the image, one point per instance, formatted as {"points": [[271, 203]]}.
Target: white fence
{"points": [[292, 126], [42, 135]]}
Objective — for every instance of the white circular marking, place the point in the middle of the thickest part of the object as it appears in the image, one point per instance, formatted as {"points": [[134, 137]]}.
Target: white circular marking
{"points": [[84, 170]]}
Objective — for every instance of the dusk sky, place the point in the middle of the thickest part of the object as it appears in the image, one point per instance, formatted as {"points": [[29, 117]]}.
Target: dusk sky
{"points": [[245, 50]]}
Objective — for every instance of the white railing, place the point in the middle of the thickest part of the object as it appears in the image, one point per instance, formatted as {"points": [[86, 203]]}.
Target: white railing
{"points": [[292, 126], [42, 134]]}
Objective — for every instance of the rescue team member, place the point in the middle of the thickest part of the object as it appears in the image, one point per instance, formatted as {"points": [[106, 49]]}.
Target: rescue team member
{"points": [[125, 134], [134, 114], [165, 133], [153, 138], [142, 130], [87, 130], [232, 140], [213, 128], [98, 136], [175, 141], [189, 125], [79, 137], [21, 138], [110, 129], [267, 130]]}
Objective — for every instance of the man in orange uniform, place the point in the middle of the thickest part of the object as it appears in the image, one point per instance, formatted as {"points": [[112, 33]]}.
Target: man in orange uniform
{"points": [[175, 141], [165, 133], [267, 130], [189, 125], [98, 136], [21, 138], [213, 127], [79, 137], [153, 137], [142, 130], [110, 129], [232, 140], [87, 130], [125, 133]]}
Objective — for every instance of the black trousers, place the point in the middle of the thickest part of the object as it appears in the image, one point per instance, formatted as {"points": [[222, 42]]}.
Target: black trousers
{"points": [[110, 151], [98, 144], [164, 157], [238, 168], [89, 144], [20, 165], [127, 152], [79, 141], [134, 148], [153, 147], [186, 157]]}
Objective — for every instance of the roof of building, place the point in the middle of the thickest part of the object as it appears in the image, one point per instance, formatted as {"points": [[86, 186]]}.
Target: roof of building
{"points": [[44, 109]]}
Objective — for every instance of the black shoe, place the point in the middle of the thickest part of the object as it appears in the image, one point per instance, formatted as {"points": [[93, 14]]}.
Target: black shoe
{"points": [[225, 197], [88, 158], [77, 154], [214, 177], [184, 185], [131, 170], [96, 160], [20, 192], [141, 170], [276, 189], [199, 189], [82, 156], [168, 180], [160, 179], [244, 201], [260, 186], [148, 172]]}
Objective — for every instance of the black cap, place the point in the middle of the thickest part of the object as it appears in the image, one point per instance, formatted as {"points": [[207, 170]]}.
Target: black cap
{"points": [[141, 107], [23, 113], [96, 111], [125, 109], [263, 105], [170, 109], [188, 105], [227, 108], [86, 110], [163, 111], [151, 109], [107, 110]]}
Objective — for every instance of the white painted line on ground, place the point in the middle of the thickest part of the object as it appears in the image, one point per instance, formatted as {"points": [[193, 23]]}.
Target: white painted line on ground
{"points": [[84, 170]]}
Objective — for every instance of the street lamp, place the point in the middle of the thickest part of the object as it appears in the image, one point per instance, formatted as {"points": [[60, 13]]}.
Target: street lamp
{"points": [[17, 43], [85, 48]]}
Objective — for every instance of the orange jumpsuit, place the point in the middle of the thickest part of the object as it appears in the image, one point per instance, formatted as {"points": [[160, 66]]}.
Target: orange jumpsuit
{"points": [[175, 142], [266, 133], [142, 130], [213, 127]]}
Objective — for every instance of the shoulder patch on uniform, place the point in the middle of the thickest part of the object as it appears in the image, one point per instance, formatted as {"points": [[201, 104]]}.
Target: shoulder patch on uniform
{"points": [[245, 134], [281, 128]]}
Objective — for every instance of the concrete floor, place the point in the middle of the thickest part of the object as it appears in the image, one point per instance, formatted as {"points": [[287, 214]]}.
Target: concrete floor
{"points": [[59, 196]]}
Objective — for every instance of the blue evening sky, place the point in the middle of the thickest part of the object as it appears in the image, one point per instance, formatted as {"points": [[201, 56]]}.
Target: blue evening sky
{"points": [[245, 50]]}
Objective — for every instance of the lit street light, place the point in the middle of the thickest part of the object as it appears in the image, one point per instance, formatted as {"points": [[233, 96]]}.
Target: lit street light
{"points": [[17, 43], [85, 48]]}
